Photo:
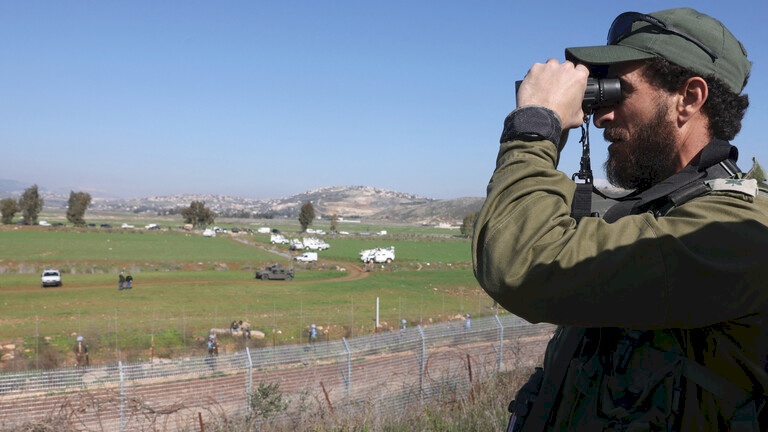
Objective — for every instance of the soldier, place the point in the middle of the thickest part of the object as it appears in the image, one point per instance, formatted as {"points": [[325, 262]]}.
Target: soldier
{"points": [[81, 352], [661, 304]]}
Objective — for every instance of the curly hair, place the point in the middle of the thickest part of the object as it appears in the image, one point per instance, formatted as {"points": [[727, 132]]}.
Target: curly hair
{"points": [[724, 108]]}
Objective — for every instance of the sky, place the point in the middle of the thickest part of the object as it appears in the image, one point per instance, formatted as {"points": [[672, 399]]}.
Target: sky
{"points": [[266, 99]]}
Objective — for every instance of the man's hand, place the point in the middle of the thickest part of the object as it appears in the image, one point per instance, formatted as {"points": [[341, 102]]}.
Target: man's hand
{"points": [[557, 86]]}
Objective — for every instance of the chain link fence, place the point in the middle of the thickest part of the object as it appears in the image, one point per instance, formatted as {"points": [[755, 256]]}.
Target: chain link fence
{"points": [[379, 375]]}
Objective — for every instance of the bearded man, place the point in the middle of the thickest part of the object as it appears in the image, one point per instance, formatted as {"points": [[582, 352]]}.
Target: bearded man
{"points": [[661, 303]]}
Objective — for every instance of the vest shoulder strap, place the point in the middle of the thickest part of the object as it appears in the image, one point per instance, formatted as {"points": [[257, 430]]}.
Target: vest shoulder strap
{"points": [[681, 187]]}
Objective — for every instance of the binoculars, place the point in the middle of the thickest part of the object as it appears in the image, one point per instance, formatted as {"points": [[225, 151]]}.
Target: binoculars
{"points": [[599, 92]]}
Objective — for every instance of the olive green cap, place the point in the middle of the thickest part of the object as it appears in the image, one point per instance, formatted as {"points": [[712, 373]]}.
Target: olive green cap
{"points": [[646, 41]]}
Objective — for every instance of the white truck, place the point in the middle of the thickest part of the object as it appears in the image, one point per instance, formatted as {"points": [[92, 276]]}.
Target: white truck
{"points": [[378, 255], [313, 243], [306, 257], [278, 239]]}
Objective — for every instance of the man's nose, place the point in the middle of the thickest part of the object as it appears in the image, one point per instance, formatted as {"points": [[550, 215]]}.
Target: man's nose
{"points": [[603, 116]]}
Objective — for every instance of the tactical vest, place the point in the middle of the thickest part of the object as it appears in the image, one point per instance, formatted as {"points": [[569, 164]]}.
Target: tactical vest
{"points": [[615, 379]]}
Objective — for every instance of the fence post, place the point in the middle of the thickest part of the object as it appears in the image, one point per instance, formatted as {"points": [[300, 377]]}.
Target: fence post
{"points": [[501, 343], [348, 378], [122, 396], [422, 363], [249, 381]]}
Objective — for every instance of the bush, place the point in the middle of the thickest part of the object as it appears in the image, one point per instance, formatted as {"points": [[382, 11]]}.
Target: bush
{"points": [[266, 401]]}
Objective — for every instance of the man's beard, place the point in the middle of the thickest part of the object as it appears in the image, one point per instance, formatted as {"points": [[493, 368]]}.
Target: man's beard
{"points": [[644, 160]]}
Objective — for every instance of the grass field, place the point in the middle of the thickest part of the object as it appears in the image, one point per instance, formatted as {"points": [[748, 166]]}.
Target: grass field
{"points": [[186, 284]]}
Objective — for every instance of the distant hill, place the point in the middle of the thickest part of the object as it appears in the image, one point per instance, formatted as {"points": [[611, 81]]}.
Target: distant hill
{"points": [[344, 201], [349, 202], [435, 212], [12, 187]]}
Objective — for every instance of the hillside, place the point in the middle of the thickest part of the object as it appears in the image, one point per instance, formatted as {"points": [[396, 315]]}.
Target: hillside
{"points": [[344, 201], [349, 202]]}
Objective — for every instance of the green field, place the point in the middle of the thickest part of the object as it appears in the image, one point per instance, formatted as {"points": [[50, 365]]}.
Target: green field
{"points": [[186, 284]]}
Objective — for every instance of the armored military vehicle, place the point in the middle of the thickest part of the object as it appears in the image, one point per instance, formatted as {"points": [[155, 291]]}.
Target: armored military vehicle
{"points": [[275, 272]]}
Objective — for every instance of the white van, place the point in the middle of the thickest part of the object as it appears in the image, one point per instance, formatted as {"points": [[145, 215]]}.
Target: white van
{"points": [[306, 257]]}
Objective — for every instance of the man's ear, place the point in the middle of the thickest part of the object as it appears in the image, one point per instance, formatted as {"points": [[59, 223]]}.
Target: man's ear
{"points": [[692, 95]]}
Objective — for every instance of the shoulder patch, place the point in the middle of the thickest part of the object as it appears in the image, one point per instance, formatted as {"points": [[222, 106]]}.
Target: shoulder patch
{"points": [[744, 186]]}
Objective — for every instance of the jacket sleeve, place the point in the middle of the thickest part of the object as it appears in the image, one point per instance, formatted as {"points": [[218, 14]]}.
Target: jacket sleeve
{"points": [[688, 269]]}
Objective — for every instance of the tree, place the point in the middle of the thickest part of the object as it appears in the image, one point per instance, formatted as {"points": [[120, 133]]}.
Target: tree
{"points": [[197, 214], [334, 222], [306, 216], [8, 208], [78, 204], [30, 204], [468, 225]]}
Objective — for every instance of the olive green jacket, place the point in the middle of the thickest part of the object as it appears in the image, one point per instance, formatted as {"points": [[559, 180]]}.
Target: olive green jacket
{"points": [[701, 268], [702, 264]]}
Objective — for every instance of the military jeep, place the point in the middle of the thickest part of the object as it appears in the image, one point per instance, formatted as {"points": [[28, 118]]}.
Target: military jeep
{"points": [[275, 272]]}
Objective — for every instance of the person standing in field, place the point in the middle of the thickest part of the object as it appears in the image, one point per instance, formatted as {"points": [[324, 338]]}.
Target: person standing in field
{"points": [[81, 352], [245, 328], [128, 281], [213, 346], [120, 281], [213, 351]]}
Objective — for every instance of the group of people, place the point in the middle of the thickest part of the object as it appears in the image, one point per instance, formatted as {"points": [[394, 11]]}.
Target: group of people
{"points": [[124, 281], [243, 327]]}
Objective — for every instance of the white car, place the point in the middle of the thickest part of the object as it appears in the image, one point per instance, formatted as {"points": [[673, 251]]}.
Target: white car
{"points": [[50, 277], [306, 257]]}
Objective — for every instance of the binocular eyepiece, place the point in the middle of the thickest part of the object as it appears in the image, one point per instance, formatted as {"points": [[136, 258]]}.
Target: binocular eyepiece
{"points": [[599, 92]]}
